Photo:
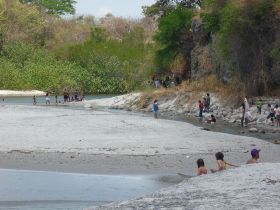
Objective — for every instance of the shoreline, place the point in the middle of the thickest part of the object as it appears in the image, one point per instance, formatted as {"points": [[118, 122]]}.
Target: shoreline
{"points": [[182, 106], [154, 155], [14, 93], [253, 186]]}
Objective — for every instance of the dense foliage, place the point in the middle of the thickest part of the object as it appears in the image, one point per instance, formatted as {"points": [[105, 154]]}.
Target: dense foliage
{"points": [[39, 50], [247, 31], [59, 7], [240, 36]]}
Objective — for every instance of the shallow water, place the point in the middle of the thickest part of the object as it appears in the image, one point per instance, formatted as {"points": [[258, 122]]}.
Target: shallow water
{"points": [[30, 190], [24, 100]]}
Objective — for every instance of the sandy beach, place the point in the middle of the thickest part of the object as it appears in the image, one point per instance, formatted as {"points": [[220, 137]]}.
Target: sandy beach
{"points": [[47, 138], [80, 140], [248, 187]]}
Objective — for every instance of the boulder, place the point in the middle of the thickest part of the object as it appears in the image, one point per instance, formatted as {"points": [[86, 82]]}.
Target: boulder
{"points": [[232, 120], [253, 130]]}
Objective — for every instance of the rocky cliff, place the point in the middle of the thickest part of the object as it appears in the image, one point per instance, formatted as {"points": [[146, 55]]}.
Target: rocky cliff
{"points": [[253, 61]]}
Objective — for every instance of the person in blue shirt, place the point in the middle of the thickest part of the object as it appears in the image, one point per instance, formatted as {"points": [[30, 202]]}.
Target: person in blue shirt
{"points": [[155, 109]]}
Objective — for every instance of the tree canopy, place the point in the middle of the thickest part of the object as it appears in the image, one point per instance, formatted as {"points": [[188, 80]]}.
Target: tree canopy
{"points": [[59, 7]]}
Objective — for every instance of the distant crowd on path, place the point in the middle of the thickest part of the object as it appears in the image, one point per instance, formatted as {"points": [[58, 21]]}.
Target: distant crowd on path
{"points": [[222, 164], [66, 98]]}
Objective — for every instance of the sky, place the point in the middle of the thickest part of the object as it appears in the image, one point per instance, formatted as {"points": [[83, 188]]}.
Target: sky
{"points": [[124, 8]]}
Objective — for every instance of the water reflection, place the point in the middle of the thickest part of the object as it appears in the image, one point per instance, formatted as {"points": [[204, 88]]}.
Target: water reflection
{"points": [[53, 190]]}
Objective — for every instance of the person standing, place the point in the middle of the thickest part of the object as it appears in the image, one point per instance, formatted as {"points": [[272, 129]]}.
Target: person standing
{"points": [[34, 100], [48, 99], [247, 111], [277, 115], [200, 106], [155, 109], [259, 106], [208, 101], [243, 114]]}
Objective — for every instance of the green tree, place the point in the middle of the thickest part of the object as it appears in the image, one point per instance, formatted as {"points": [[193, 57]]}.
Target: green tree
{"points": [[59, 7], [164, 7], [175, 37]]}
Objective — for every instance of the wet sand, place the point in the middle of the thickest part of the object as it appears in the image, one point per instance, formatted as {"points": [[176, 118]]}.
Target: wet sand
{"points": [[88, 141]]}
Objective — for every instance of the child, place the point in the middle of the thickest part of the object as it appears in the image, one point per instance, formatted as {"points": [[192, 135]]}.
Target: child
{"points": [[222, 165], [201, 167], [255, 153], [155, 109]]}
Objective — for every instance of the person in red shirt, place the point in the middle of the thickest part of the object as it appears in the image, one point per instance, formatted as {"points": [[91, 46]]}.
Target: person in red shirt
{"points": [[200, 105]]}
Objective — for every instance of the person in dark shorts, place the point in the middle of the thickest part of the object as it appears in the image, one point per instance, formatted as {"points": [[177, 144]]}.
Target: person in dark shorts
{"points": [[155, 109]]}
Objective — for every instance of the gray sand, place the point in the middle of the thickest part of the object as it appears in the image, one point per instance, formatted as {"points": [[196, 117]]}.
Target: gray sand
{"points": [[43, 138]]}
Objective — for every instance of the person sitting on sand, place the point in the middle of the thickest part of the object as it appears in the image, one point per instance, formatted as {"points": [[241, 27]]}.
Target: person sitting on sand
{"points": [[201, 167], [255, 156], [222, 164]]}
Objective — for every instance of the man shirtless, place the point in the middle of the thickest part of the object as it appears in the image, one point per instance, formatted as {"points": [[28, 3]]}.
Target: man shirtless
{"points": [[255, 156]]}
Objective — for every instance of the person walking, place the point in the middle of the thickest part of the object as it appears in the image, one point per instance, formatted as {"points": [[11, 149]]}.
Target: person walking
{"points": [[155, 109]]}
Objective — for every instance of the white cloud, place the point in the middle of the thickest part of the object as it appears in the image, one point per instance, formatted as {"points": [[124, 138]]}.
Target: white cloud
{"points": [[103, 11]]}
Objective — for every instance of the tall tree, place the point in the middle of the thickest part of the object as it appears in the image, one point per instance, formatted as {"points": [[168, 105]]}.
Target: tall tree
{"points": [[164, 7], [175, 37], [59, 7]]}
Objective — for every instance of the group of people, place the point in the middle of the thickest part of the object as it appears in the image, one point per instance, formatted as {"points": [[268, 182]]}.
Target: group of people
{"points": [[66, 98], [166, 82], [204, 105], [222, 164], [273, 112], [274, 115]]}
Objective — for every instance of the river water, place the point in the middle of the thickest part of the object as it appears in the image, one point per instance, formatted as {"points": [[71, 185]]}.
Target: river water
{"points": [[42, 190], [37, 190]]}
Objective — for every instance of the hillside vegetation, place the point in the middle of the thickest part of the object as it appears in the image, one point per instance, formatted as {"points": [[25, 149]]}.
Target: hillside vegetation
{"points": [[237, 41], [41, 50]]}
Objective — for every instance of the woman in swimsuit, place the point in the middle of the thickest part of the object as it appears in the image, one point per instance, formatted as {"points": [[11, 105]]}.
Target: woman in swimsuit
{"points": [[222, 164]]}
